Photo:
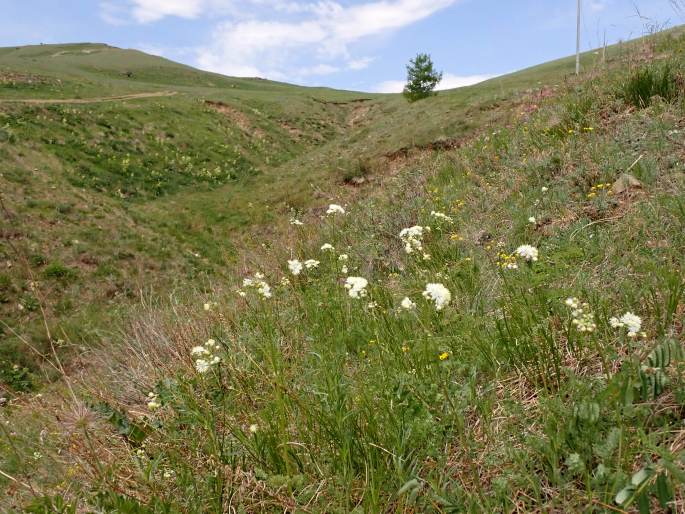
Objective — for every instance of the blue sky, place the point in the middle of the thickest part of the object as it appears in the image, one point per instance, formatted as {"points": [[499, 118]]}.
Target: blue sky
{"points": [[349, 44]]}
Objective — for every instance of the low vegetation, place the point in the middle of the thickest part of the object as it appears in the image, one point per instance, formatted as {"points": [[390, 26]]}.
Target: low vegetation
{"points": [[498, 328]]}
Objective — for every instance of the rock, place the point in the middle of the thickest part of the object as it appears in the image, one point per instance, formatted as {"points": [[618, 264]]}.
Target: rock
{"points": [[483, 237], [625, 182]]}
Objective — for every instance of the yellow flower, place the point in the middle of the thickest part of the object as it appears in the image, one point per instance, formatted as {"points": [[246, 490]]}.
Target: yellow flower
{"points": [[444, 356], [405, 348]]}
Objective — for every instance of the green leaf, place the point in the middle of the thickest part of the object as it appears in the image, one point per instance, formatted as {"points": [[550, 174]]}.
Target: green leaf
{"points": [[409, 486], [624, 495], [674, 470], [628, 393], [663, 490], [643, 503], [134, 433], [641, 476]]}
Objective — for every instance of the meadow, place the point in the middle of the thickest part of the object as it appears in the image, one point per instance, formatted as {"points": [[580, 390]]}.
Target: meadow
{"points": [[480, 312]]}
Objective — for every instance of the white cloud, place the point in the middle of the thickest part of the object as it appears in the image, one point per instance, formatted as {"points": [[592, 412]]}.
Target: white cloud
{"points": [[449, 81], [145, 11], [319, 69], [390, 86], [270, 48], [360, 64], [281, 39]]}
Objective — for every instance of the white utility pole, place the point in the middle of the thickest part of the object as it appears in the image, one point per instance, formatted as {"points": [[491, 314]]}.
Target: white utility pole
{"points": [[578, 42]]}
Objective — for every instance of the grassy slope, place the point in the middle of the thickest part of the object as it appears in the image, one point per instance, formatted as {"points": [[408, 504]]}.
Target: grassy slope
{"points": [[106, 199], [355, 407]]}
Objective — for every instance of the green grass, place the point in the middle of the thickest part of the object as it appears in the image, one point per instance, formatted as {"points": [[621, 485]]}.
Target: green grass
{"points": [[653, 81], [322, 402], [128, 196], [124, 193]]}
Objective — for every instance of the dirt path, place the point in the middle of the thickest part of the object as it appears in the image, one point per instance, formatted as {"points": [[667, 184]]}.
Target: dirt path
{"points": [[133, 96]]}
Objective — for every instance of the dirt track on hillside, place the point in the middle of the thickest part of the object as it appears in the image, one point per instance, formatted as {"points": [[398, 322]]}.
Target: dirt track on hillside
{"points": [[101, 99]]}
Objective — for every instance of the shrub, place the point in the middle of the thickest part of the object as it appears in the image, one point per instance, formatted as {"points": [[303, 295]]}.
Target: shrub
{"points": [[6, 135], [64, 208], [577, 111], [5, 287], [17, 377], [59, 271], [651, 81], [37, 260]]}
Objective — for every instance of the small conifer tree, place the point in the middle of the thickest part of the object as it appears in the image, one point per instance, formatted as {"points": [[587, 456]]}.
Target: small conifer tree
{"points": [[422, 78]]}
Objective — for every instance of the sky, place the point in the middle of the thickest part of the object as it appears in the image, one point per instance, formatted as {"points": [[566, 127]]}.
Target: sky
{"points": [[359, 45]]}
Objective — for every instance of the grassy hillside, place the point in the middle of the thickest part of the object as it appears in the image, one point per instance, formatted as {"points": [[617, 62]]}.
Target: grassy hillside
{"points": [[123, 172], [65, 71], [104, 198], [473, 365]]}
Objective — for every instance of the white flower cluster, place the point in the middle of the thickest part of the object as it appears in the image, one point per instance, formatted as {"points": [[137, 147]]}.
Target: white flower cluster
{"points": [[296, 267], [412, 238], [153, 401], [257, 282], [407, 304], [441, 216], [335, 209], [327, 247], [208, 306], [311, 263], [527, 252], [629, 321], [583, 319], [343, 257], [438, 294], [205, 357], [296, 222], [356, 287]]}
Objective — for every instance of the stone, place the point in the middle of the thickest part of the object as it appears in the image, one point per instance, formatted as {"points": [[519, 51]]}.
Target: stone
{"points": [[624, 183]]}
